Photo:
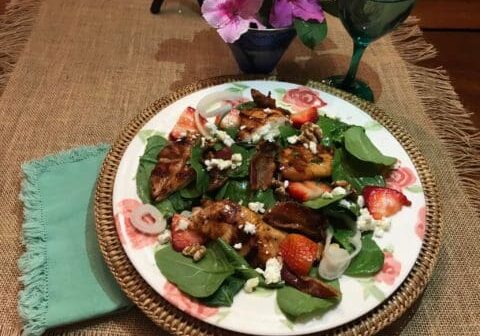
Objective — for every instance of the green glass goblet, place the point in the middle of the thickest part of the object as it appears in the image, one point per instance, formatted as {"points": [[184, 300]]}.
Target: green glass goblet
{"points": [[366, 21]]}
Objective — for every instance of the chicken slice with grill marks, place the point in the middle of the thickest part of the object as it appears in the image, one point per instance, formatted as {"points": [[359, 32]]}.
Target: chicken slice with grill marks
{"points": [[298, 163], [226, 219], [172, 172]]}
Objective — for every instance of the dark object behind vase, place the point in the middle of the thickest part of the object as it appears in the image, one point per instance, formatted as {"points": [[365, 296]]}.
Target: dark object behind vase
{"points": [[258, 51]]}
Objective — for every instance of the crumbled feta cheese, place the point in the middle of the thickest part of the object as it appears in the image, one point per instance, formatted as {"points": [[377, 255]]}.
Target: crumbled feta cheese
{"points": [[186, 214], [183, 224], [221, 164], [365, 222], [267, 110], [326, 194], [312, 145], [268, 131], [360, 201], [237, 159], [272, 271], [243, 127], [251, 284], [210, 125], [397, 164], [259, 270], [345, 203], [286, 183], [305, 145], [237, 246], [292, 139], [257, 207], [249, 228], [240, 202], [221, 135], [339, 191], [164, 237]]}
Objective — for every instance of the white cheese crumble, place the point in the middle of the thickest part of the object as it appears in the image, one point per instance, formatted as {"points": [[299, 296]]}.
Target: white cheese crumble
{"points": [[312, 145], [327, 194], [164, 237], [292, 139], [186, 214], [221, 164], [237, 159], [183, 224], [286, 183], [268, 131], [251, 284], [360, 201], [243, 127], [259, 270], [267, 110], [272, 271], [221, 135], [237, 246], [339, 191], [345, 203], [249, 228], [258, 207], [365, 222]]}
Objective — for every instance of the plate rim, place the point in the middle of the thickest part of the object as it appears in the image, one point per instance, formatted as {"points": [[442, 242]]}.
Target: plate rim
{"points": [[175, 321]]}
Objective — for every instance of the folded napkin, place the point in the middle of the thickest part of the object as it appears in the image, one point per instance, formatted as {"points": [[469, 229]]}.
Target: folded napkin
{"points": [[64, 276]]}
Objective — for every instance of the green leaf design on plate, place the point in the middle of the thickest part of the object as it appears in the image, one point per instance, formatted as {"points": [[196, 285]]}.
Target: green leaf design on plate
{"points": [[370, 289], [373, 126], [280, 91], [240, 85], [222, 314], [262, 292], [235, 89], [143, 135], [415, 189], [287, 323]]}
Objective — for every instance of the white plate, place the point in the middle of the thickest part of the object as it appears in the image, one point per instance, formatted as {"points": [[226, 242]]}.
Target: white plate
{"points": [[257, 313]]}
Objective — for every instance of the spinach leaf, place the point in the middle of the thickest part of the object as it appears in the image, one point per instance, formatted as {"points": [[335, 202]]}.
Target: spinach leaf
{"points": [[295, 304], [340, 217], [311, 33], [244, 168], [198, 279], [370, 259], [201, 182], [241, 266], [359, 145], [358, 173], [179, 203], [190, 191], [147, 162], [264, 196], [343, 238], [287, 131], [223, 297], [246, 106], [332, 130], [166, 208], [321, 202], [232, 132], [235, 191]]}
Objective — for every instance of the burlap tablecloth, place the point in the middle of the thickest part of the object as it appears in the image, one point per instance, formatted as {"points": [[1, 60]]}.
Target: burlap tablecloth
{"points": [[89, 66]]}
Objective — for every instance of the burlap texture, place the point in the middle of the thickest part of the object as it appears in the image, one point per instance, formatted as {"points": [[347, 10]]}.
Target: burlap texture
{"points": [[89, 66]]}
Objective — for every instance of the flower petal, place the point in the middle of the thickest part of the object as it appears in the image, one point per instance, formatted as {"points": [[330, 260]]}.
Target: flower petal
{"points": [[217, 12], [307, 10], [233, 29], [248, 8], [281, 14]]}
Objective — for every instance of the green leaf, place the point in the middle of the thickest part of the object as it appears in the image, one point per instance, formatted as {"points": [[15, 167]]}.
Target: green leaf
{"points": [[311, 33], [321, 202], [166, 208], [198, 279], [332, 130], [243, 169], [294, 303], [415, 189], [179, 203], [201, 181], [234, 190], [223, 297], [242, 267], [190, 191], [232, 132], [146, 164], [358, 173], [343, 238], [340, 217], [359, 145], [264, 196], [246, 106], [287, 131], [369, 261]]}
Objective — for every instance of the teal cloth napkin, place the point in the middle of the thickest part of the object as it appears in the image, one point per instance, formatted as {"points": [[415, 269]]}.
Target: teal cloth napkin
{"points": [[64, 276]]}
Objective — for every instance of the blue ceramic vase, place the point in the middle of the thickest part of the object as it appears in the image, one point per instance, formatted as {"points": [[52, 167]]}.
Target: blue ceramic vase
{"points": [[258, 51]]}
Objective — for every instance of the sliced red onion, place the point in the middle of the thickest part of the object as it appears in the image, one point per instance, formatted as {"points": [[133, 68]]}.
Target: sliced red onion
{"points": [[147, 219], [217, 103], [199, 125], [335, 260]]}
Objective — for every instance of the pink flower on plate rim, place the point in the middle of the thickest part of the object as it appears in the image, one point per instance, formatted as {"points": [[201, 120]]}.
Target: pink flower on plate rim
{"points": [[302, 98], [183, 302], [401, 178], [284, 11], [421, 222], [137, 239], [390, 270], [231, 18]]}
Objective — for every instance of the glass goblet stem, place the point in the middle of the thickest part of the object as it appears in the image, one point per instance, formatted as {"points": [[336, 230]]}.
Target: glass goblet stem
{"points": [[358, 50]]}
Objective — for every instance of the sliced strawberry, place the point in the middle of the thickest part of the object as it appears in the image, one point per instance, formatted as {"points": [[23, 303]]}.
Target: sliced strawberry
{"points": [[308, 115], [307, 190], [383, 202], [298, 253], [183, 238], [186, 123]]}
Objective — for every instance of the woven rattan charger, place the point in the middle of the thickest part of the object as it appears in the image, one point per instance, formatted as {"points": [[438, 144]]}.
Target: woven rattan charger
{"points": [[177, 322]]}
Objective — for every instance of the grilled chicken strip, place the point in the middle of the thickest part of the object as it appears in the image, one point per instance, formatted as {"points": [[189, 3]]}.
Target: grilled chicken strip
{"points": [[172, 172], [252, 120], [301, 164], [263, 166], [226, 219]]}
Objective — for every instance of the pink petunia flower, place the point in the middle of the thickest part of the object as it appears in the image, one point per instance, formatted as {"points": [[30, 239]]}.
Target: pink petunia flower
{"points": [[232, 18], [284, 11]]}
